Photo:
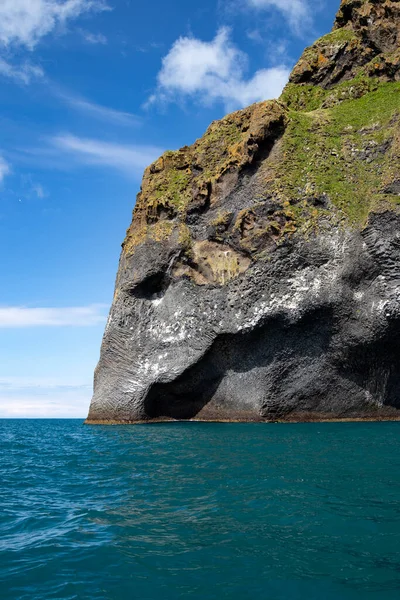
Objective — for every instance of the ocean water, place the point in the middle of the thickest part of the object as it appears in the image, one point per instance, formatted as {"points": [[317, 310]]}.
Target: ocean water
{"points": [[201, 511]]}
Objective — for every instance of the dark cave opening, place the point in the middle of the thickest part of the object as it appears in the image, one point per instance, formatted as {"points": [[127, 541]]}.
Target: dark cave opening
{"points": [[306, 373], [185, 397], [151, 288]]}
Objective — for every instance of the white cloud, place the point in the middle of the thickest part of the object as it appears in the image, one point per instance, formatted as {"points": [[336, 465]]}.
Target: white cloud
{"points": [[25, 22], [297, 12], [81, 316], [23, 383], [38, 189], [102, 113], [22, 73], [5, 169], [210, 72], [60, 405], [93, 38], [43, 399], [127, 158]]}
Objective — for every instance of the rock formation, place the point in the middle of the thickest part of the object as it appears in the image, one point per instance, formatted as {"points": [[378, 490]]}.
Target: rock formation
{"points": [[260, 277]]}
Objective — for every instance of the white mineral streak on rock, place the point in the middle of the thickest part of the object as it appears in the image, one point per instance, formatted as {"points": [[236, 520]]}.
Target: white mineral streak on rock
{"points": [[109, 322], [301, 288]]}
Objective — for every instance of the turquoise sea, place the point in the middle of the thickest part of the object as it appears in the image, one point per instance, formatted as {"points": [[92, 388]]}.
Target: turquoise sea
{"points": [[201, 511]]}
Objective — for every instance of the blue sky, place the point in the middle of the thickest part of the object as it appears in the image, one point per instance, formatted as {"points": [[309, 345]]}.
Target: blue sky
{"points": [[92, 91]]}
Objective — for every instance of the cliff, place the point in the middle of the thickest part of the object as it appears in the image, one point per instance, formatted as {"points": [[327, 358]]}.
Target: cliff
{"points": [[260, 277]]}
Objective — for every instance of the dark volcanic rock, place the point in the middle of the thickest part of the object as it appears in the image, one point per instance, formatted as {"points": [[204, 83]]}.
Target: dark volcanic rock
{"points": [[366, 34], [260, 277]]}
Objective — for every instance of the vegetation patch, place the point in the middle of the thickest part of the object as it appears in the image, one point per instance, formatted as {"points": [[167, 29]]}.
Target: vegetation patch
{"points": [[308, 97], [344, 152], [180, 178], [339, 152]]}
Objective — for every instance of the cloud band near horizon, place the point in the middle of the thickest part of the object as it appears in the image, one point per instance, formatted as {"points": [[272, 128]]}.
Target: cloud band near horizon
{"points": [[78, 316]]}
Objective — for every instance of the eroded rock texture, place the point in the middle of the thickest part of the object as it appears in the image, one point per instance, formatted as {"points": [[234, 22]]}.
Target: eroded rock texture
{"points": [[260, 277]]}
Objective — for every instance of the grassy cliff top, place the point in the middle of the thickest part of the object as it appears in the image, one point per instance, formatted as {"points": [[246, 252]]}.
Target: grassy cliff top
{"points": [[186, 180], [338, 127], [346, 148]]}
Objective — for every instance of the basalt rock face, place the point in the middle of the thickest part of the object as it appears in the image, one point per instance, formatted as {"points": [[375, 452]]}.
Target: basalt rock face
{"points": [[260, 277]]}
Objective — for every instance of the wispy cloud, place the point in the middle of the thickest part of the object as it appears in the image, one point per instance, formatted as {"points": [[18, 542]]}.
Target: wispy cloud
{"points": [[5, 169], [71, 405], [46, 398], [81, 316], [93, 38], [97, 111], [39, 190], [22, 73], [38, 383], [25, 22], [298, 13], [214, 71], [126, 158]]}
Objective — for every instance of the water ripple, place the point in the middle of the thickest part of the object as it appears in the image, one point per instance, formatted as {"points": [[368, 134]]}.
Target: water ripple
{"points": [[199, 511]]}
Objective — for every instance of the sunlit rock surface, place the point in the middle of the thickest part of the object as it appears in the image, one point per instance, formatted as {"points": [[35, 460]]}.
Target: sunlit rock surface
{"points": [[260, 277]]}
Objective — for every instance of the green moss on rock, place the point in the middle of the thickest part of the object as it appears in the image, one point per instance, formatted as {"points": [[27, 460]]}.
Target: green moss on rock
{"points": [[184, 179], [342, 152]]}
